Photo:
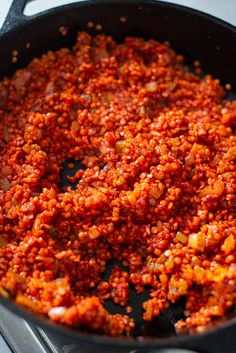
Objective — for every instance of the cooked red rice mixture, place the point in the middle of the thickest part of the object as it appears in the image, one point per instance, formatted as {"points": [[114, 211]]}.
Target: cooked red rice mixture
{"points": [[158, 193]]}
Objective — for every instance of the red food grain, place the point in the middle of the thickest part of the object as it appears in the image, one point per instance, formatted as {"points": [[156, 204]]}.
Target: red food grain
{"points": [[158, 193]]}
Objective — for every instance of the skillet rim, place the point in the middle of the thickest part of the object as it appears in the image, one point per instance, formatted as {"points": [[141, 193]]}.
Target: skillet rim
{"points": [[123, 341]]}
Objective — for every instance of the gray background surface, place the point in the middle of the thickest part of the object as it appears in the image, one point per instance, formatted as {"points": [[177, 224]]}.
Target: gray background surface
{"points": [[224, 9]]}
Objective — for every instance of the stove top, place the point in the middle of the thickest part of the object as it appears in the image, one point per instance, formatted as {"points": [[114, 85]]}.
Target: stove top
{"points": [[18, 336], [22, 337]]}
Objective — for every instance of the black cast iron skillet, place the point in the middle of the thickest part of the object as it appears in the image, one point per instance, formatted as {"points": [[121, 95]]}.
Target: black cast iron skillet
{"points": [[192, 33]]}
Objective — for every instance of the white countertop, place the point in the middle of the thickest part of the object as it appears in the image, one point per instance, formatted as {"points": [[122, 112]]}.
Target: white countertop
{"points": [[224, 9]]}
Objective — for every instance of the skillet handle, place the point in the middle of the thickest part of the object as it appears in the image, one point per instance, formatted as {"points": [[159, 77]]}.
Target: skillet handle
{"points": [[15, 16]]}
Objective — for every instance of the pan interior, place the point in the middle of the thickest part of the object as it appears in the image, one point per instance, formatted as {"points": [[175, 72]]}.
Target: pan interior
{"points": [[207, 40]]}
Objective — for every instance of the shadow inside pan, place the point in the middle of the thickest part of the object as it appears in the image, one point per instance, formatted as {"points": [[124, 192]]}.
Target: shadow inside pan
{"points": [[162, 326], [42, 37], [69, 168]]}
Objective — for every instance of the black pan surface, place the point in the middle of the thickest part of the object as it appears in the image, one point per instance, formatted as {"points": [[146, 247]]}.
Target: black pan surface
{"points": [[191, 33]]}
